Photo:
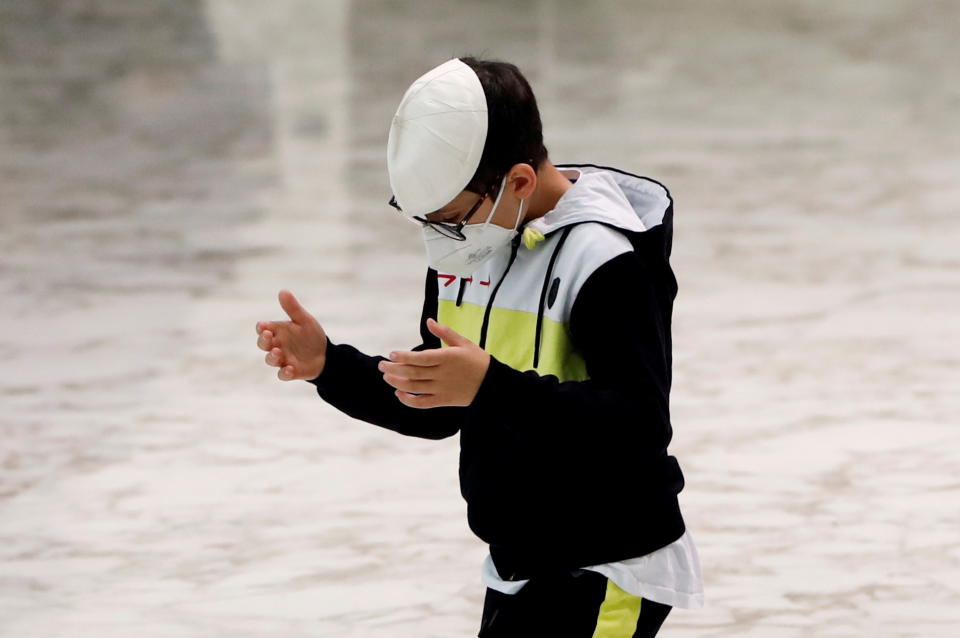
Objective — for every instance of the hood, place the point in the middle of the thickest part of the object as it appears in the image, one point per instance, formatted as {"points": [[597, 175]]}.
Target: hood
{"points": [[600, 194], [606, 195]]}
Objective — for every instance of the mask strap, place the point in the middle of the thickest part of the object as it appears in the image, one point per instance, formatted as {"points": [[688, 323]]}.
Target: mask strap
{"points": [[496, 202], [516, 224], [493, 210]]}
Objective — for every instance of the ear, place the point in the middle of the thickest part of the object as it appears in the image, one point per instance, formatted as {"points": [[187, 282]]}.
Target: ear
{"points": [[522, 180]]}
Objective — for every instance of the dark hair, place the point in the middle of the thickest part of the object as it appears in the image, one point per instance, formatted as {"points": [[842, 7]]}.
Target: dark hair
{"points": [[514, 130]]}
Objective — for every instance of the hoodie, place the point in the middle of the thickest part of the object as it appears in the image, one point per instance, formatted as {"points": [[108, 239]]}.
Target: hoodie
{"points": [[563, 451]]}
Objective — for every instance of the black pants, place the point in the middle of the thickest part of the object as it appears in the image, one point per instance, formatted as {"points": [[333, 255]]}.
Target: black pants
{"points": [[575, 604]]}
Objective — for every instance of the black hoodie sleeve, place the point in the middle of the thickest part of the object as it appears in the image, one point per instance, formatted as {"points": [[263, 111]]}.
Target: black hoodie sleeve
{"points": [[352, 383], [620, 327]]}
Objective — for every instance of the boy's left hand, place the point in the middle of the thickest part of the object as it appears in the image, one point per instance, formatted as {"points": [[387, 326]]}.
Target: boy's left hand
{"points": [[438, 377]]}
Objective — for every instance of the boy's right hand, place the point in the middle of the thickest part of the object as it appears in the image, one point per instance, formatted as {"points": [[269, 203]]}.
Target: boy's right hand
{"points": [[298, 347]]}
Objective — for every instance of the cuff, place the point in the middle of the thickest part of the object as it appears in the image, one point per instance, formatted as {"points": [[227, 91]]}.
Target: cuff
{"points": [[495, 387]]}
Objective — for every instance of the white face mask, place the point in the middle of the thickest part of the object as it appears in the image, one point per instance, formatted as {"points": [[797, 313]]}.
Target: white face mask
{"points": [[463, 258]]}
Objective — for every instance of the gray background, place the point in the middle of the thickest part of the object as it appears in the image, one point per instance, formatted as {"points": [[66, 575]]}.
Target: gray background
{"points": [[167, 167]]}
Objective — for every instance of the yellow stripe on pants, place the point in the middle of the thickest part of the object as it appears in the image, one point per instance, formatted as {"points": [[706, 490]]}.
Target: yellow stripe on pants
{"points": [[619, 613]]}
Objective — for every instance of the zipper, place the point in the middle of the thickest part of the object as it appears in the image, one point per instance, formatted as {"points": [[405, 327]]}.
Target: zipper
{"points": [[543, 296], [493, 295]]}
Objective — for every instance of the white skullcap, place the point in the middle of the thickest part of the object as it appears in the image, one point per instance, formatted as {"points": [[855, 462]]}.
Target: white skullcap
{"points": [[437, 137]]}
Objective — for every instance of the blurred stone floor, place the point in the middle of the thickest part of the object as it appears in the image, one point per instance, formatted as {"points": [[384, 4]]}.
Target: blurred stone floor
{"points": [[167, 167]]}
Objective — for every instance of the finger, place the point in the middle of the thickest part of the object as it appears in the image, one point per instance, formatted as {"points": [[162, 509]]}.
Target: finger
{"points": [[446, 334], [418, 373], [291, 361], [417, 400], [275, 328], [293, 308], [425, 358], [265, 341], [286, 373], [267, 325], [274, 357], [408, 385]]}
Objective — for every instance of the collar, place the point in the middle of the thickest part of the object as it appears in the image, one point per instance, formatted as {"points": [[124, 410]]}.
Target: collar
{"points": [[594, 196]]}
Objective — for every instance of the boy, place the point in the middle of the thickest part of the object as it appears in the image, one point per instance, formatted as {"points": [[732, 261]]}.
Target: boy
{"points": [[546, 345]]}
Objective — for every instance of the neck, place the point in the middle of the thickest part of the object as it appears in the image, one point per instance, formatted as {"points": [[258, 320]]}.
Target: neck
{"points": [[551, 185]]}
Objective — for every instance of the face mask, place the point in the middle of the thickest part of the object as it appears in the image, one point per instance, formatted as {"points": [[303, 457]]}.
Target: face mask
{"points": [[463, 258]]}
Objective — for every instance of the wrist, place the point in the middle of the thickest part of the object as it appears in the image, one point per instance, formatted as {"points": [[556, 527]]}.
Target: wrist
{"points": [[322, 362]]}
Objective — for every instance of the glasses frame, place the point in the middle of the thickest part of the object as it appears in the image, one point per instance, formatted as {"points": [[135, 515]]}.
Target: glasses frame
{"points": [[452, 231]]}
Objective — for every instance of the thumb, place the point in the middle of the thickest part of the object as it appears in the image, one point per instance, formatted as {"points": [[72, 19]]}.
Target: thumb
{"points": [[293, 308], [447, 334]]}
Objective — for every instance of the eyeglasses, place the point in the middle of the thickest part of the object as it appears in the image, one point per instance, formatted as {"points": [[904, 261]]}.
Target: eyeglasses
{"points": [[453, 231]]}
